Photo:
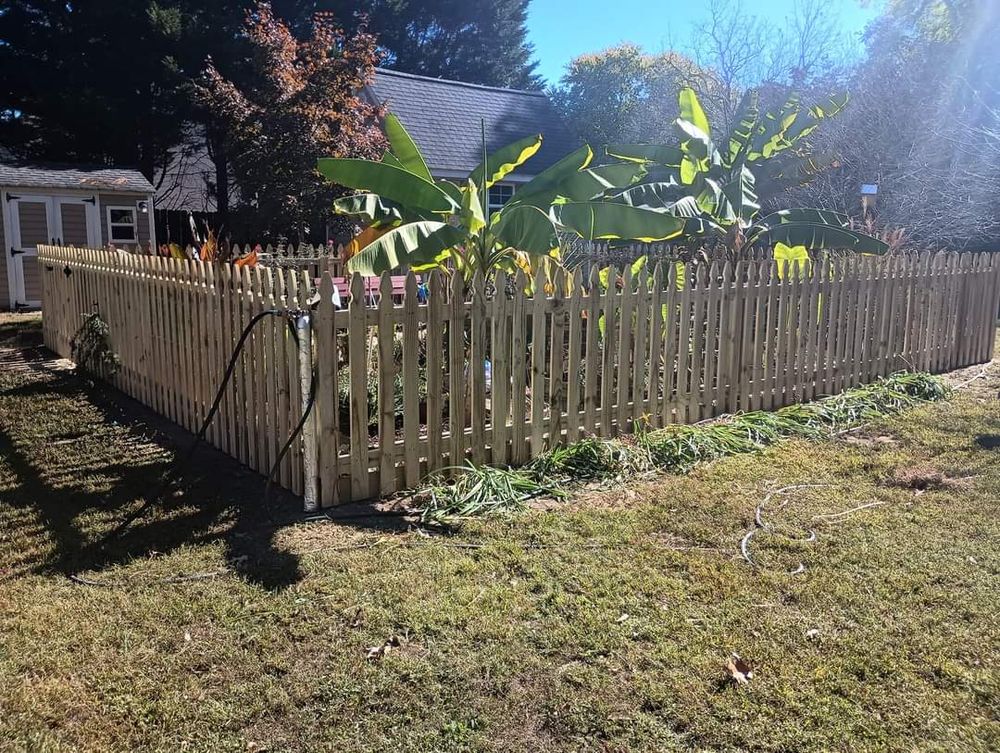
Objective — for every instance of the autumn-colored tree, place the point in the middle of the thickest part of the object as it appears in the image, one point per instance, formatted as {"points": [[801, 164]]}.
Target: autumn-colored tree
{"points": [[300, 100]]}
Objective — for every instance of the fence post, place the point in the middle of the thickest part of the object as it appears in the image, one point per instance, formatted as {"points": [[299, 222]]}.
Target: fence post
{"points": [[309, 496]]}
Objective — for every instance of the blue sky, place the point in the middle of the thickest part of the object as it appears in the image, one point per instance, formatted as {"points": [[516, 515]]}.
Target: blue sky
{"points": [[561, 30]]}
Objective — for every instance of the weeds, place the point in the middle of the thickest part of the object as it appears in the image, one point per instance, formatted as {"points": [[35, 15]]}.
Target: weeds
{"points": [[678, 448], [91, 348], [593, 459], [481, 490]]}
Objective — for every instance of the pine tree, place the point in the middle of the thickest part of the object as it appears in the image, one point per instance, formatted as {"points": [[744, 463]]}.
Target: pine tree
{"points": [[103, 81], [479, 41]]}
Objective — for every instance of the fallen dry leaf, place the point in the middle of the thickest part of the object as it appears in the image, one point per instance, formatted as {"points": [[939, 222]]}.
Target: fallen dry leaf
{"points": [[740, 671]]}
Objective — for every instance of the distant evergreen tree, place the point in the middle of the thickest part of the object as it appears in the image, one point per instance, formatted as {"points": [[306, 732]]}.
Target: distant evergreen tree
{"points": [[104, 81], [479, 41]]}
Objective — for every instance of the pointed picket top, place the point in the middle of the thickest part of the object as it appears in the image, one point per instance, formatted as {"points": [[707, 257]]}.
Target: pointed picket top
{"points": [[326, 288], [672, 276], [657, 280], [713, 273], [701, 276], [357, 290], [500, 281], [643, 286], [457, 287], [385, 287], [627, 279], [539, 283], [577, 281], [594, 278], [247, 280], [435, 286], [520, 283], [478, 287], [410, 288], [727, 272]]}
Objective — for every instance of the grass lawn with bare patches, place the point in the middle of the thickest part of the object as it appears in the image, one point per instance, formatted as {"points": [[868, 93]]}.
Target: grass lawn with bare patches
{"points": [[603, 623]]}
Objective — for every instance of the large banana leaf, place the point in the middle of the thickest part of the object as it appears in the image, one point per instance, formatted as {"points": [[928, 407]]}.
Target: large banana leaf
{"points": [[833, 106], [699, 152], [691, 110], [787, 256], [817, 216], [650, 195], [472, 216], [544, 187], [656, 153], [587, 184], [686, 207], [816, 236], [404, 148], [504, 160], [526, 228], [746, 124], [367, 236], [372, 209], [772, 135], [741, 195], [415, 243], [390, 182], [451, 189], [712, 201], [391, 159], [809, 121], [594, 220]]}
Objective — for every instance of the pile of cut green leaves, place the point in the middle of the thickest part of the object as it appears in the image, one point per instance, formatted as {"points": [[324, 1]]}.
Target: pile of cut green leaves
{"points": [[480, 490]]}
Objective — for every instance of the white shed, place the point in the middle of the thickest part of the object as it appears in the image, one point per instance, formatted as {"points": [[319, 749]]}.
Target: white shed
{"points": [[65, 205]]}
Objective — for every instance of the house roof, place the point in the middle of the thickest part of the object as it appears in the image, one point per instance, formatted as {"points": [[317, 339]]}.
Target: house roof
{"points": [[444, 118], [41, 175], [188, 181]]}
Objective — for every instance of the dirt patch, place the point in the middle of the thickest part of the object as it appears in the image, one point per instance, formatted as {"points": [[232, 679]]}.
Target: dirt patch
{"points": [[871, 440], [925, 477]]}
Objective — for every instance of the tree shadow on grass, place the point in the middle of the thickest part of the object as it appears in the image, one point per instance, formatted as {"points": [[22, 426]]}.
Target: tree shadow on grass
{"points": [[83, 459]]}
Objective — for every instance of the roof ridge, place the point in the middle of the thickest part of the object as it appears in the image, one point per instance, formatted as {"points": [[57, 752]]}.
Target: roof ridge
{"points": [[453, 82], [83, 167]]}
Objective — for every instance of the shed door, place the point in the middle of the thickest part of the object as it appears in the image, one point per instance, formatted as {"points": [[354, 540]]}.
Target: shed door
{"points": [[77, 221], [37, 220]]}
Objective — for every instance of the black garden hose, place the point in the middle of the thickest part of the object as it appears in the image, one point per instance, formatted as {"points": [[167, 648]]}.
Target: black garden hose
{"points": [[200, 436]]}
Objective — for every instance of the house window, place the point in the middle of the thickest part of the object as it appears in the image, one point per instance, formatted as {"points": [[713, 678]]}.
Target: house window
{"points": [[122, 225], [499, 195]]}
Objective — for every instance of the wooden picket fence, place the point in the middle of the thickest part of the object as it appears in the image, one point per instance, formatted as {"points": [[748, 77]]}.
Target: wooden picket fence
{"points": [[429, 374]]}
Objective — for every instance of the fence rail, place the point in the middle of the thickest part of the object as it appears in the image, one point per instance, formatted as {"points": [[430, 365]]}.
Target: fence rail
{"points": [[419, 379]]}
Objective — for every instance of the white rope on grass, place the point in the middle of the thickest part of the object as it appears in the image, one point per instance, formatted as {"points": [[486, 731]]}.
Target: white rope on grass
{"points": [[761, 525]]}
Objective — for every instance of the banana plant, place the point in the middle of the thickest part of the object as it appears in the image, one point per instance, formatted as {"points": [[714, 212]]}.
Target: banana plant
{"points": [[713, 186], [410, 218]]}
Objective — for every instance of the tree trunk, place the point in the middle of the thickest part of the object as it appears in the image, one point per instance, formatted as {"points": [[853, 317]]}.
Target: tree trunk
{"points": [[221, 162]]}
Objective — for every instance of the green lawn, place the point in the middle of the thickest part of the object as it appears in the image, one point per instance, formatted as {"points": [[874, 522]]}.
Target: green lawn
{"points": [[603, 623]]}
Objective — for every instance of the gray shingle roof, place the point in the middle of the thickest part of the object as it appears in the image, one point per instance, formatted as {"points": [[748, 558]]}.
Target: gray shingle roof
{"points": [[443, 117], [40, 175]]}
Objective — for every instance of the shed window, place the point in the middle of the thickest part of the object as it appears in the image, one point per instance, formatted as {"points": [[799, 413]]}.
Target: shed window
{"points": [[499, 195], [122, 225]]}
